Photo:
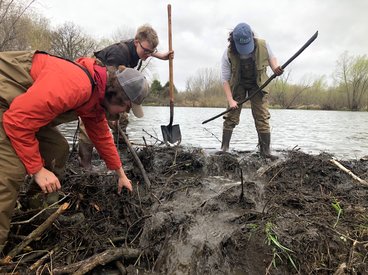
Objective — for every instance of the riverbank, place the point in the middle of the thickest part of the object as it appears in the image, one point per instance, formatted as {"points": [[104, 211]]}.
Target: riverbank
{"points": [[208, 213]]}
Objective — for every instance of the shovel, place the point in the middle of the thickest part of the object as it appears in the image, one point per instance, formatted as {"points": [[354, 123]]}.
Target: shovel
{"points": [[171, 133], [314, 36]]}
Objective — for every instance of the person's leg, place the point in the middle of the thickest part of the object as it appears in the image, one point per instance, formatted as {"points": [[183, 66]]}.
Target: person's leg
{"points": [[14, 81], [85, 148], [54, 150], [12, 175], [231, 119], [261, 115]]}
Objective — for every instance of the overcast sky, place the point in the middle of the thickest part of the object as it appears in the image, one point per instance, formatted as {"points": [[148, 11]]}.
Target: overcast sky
{"points": [[200, 29]]}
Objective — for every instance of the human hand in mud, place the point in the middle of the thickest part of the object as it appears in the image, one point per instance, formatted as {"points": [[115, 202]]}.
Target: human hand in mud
{"points": [[127, 183], [123, 181], [47, 180]]}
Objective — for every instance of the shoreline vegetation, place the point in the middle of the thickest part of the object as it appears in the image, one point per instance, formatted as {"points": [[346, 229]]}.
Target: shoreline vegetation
{"points": [[326, 99]]}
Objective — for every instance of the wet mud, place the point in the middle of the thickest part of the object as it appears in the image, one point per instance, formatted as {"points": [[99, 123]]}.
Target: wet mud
{"points": [[205, 213]]}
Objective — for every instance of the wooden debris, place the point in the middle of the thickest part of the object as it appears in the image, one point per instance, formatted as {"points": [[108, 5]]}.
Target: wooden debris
{"points": [[343, 168], [103, 258], [136, 159], [34, 234]]}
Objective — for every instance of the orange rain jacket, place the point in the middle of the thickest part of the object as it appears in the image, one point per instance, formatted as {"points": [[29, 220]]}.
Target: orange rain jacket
{"points": [[59, 86]]}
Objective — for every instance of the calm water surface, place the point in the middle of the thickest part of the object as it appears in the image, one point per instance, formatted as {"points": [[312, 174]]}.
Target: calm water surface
{"points": [[344, 134]]}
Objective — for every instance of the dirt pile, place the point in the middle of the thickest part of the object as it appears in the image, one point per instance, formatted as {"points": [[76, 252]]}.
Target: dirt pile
{"points": [[206, 213]]}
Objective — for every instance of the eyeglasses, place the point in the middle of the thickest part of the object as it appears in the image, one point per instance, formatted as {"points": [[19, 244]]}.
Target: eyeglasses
{"points": [[147, 51]]}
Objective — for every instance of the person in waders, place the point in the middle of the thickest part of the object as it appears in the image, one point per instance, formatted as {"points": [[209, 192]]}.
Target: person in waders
{"points": [[39, 91], [243, 71], [129, 53]]}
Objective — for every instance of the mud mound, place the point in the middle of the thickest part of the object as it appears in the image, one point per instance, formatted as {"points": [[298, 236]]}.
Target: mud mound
{"points": [[204, 214]]}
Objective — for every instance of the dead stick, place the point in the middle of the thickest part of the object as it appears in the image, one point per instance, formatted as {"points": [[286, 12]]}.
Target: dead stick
{"points": [[343, 168], [34, 234], [109, 255], [43, 259], [136, 158]]}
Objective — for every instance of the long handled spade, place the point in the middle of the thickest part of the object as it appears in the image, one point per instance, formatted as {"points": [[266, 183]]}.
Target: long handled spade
{"points": [[270, 79], [171, 133]]}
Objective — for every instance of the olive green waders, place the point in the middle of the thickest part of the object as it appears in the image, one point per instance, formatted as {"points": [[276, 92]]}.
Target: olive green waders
{"points": [[54, 149], [260, 113]]}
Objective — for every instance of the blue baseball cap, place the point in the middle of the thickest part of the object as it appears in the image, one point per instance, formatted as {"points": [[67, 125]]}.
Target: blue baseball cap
{"points": [[243, 38]]}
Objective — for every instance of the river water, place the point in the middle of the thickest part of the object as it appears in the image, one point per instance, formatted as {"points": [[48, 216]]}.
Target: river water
{"points": [[344, 134]]}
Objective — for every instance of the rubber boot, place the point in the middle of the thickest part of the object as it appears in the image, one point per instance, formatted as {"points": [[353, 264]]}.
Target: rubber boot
{"points": [[264, 145], [226, 136], [85, 155]]}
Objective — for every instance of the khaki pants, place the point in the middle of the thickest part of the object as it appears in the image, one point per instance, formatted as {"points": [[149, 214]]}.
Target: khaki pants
{"points": [[54, 149], [259, 107], [123, 124]]}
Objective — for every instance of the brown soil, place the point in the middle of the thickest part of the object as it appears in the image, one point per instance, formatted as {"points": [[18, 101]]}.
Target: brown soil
{"points": [[207, 214]]}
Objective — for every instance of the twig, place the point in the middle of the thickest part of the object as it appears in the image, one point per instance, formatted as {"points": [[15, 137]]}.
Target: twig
{"points": [[343, 168], [109, 255], [176, 154], [137, 221], [212, 134], [43, 259], [136, 159], [351, 255], [151, 136], [34, 234], [39, 213], [278, 172], [158, 200], [241, 198], [145, 142]]}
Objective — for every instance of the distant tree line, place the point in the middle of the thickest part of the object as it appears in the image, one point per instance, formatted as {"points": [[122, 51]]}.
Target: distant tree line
{"points": [[21, 28], [349, 90]]}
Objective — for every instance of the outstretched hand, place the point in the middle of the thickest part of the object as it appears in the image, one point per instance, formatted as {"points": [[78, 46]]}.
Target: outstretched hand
{"points": [[164, 56], [47, 180]]}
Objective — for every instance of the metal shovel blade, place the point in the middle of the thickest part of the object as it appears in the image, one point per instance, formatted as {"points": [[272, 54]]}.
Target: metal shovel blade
{"points": [[171, 134]]}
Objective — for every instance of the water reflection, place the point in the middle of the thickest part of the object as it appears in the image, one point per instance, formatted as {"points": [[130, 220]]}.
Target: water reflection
{"points": [[343, 134]]}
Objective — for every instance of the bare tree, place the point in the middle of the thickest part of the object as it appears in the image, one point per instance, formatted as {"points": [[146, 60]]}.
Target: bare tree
{"points": [[286, 95], [11, 14], [278, 90], [35, 33], [205, 81], [123, 33], [68, 41], [352, 76]]}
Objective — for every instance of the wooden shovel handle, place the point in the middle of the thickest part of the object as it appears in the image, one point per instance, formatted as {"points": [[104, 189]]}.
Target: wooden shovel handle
{"points": [[171, 73]]}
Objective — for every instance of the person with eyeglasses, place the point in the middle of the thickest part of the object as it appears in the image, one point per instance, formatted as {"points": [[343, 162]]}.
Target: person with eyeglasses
{"points": [[129, 53]]}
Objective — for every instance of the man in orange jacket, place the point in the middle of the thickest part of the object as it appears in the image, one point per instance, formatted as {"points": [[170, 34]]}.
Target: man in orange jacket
{"points": [[36, 91]]}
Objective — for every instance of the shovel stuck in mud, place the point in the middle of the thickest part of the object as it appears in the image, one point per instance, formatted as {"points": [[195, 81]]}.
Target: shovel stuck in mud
{"points": [[171, 133]]}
